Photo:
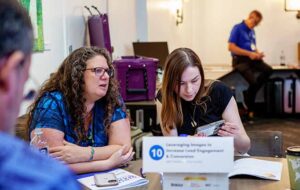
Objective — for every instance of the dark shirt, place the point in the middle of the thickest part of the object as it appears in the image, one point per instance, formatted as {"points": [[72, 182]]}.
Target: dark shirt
{"points": [[243, 37], [51, 112], [23, 168], [216, 102]]}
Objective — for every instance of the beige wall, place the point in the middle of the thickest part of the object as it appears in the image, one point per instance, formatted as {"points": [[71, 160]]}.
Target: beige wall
{"points": [[207, 24], [64, 27], [205, 29]]}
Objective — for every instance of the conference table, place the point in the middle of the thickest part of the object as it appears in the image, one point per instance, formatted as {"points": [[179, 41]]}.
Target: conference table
{"points": [[234, 183]]}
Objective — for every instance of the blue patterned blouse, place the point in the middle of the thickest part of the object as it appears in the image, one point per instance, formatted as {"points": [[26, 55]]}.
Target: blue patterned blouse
{"points": [[51, 112]]}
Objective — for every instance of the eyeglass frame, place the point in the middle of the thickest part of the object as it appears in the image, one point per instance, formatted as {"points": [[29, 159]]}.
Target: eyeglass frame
{"points": [[109, 71]]}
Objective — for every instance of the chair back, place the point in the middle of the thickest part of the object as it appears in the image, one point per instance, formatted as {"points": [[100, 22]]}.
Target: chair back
{"points": [[266, 143]]}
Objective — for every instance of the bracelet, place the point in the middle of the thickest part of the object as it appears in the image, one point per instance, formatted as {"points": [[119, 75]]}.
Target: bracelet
{"points": [[92, 153]]}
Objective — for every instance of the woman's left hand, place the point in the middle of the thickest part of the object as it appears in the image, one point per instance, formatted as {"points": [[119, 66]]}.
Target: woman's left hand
{"points": [[230, 129], [199, 134], [70, 153]]}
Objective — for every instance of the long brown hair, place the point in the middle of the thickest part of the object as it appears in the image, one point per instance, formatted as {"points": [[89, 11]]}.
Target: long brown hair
{"points": [[70, 82], [176, 63]]}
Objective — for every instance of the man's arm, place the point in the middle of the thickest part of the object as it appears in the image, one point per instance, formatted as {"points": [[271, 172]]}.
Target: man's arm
{"points": [[232, 47]]}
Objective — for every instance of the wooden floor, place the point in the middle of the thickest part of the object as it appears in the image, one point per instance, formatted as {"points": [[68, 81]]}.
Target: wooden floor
{"points": [[290, 128]]}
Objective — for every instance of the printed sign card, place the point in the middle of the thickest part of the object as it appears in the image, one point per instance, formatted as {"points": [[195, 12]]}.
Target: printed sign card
{"points": [[193, 181], [188, 155]]}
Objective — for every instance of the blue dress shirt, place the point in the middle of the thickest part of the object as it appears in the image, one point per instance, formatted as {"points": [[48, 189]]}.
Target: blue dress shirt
{"points": [[243, 37], [23, 168]]}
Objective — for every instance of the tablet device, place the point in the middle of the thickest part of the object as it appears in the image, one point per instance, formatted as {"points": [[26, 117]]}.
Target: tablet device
{"points": [[210, 129]]}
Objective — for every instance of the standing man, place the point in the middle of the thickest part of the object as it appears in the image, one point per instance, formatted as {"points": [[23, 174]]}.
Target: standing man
{"points": [[247, 59], [20, 166]]}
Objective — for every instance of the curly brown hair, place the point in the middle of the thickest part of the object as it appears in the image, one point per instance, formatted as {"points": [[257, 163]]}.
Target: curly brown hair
{"points": [[69, 81]]}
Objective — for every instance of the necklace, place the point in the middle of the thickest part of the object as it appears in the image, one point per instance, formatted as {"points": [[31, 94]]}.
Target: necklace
{"points": [[193, 122], [87, 119], [89, 124]]}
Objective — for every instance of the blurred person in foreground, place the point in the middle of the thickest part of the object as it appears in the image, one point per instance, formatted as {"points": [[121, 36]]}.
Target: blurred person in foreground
{"points": [[20, 166]]}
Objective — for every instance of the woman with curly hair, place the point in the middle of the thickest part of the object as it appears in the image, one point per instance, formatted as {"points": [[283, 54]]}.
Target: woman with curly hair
{"points": [[186, 101], [82, 115]]}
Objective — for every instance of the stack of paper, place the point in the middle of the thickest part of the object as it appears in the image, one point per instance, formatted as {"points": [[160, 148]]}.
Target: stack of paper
{"points": [[125, 179]]}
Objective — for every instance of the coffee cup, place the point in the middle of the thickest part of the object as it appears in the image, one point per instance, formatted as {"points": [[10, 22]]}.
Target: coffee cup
{"points": [[293, 159]]}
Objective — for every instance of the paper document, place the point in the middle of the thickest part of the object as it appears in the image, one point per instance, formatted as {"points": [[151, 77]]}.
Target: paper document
{"points": [[126, 180], [258, 168]]}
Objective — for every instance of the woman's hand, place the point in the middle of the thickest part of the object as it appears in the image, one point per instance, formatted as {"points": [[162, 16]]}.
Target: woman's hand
{"points": [[200, 134], [70, 153], [120, 157], [231, 130]]}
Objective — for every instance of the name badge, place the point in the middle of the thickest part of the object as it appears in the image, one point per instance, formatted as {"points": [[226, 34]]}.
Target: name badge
{"points": [[188, 154], [253, 47]]}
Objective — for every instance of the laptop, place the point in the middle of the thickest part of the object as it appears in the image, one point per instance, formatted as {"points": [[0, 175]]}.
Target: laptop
{"points": [[158, 50]]}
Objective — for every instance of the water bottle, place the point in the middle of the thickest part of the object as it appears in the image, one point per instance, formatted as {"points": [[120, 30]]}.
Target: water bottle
{"points": [[282, 58], [39, 142]]}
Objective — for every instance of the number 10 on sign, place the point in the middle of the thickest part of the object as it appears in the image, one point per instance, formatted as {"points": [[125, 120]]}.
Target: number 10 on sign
{"points": [[156, 152]]}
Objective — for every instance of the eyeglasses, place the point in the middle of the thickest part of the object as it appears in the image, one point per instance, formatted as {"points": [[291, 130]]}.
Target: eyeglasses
{"points": [[99, 71]]}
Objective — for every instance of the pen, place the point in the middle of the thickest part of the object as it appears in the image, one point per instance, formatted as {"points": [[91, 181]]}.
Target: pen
{"points": [[183, 135]]}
